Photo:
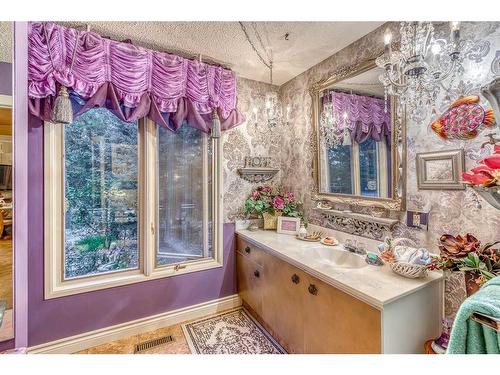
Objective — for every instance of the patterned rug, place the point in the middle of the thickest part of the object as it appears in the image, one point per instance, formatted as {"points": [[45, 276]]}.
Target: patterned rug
{"points": [[233, 332]]}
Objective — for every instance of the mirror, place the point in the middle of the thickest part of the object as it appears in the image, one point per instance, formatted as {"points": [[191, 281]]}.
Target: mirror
{"points": [[359, 133]]}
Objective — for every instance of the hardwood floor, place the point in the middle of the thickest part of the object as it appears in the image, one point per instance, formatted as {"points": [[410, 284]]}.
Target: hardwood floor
{"points": [[6, 272]]}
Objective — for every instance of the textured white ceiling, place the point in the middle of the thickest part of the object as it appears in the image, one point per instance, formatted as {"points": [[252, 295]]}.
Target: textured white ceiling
{"points": [[6, 41], [225, 43]]}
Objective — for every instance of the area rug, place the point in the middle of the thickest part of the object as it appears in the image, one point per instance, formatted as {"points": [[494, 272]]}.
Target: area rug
{"points": [[233, 332]]}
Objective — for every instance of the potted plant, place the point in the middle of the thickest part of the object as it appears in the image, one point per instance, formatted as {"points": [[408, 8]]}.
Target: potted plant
{"points": [[479, 263], [270, 202]]}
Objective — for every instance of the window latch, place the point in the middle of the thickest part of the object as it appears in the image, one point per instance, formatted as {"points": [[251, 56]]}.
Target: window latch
{"points": [[178, 267]]}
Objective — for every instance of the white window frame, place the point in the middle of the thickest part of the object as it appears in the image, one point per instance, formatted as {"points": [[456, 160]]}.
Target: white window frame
{"points": [[382, 185], [54, 229]]}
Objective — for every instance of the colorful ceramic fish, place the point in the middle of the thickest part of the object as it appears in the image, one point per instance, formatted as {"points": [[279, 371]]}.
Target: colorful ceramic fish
{"points": [[464, 119]]}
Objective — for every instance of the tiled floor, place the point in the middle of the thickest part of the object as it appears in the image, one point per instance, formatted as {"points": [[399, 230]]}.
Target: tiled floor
{"points": [[126, 346]]}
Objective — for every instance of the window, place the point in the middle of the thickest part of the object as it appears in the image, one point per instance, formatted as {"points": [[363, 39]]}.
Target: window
{"points": [[359, 169], [339, 163], [126, 203], [184, 220], [101, 168]]}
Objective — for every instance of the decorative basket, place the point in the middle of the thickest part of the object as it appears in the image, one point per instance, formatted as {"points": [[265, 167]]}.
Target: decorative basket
{"points": [[411, 271], [271, 221]]}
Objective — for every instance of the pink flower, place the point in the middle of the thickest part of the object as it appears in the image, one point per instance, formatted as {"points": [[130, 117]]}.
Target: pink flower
{"points": [[255, 195], [487, 173], [278, 203], [289, 195], [267, 189], [492, 161]]}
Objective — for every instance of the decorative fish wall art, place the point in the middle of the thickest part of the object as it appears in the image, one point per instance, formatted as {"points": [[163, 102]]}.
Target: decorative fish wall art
{"points": [[465, 119]]}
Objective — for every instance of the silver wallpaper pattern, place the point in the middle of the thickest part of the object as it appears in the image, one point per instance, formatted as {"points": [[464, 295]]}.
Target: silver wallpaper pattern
{"points": [[451, 211], [253, 138]]}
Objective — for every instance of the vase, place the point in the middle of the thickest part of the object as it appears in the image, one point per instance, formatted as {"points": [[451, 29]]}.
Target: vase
{"points": [[458, 285], [271, 220]]}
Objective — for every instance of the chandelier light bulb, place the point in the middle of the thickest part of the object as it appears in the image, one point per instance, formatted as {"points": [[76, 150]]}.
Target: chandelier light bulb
{"points": [[387, 38], [455, 25], [436, 49]]}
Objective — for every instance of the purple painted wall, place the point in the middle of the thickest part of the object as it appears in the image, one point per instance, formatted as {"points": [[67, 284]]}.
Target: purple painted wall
{"points": [[53, 319], [5, 78]]}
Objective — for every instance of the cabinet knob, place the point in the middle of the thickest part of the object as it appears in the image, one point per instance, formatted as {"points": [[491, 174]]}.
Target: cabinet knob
{"points": [[256, 273], [247, 250], [295, 278], [312, 289]]}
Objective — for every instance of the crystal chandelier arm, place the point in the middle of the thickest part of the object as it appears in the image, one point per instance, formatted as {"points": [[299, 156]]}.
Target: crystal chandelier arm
{"points": [[394, 83], [450, 70]]}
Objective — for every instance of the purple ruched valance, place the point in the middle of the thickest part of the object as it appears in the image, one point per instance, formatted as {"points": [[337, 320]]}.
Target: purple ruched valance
{"points": [[130, 81], [366, 115]]}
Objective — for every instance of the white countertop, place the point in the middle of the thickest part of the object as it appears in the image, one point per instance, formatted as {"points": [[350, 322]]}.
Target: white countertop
{"points": [[377, 286]]}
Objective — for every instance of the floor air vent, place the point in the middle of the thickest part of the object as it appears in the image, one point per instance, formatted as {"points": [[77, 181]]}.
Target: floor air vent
{"points": [[143, 346]]}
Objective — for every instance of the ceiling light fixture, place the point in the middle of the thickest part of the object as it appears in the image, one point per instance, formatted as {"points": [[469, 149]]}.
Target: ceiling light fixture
{"points": [[274, 112], [424, 65]]}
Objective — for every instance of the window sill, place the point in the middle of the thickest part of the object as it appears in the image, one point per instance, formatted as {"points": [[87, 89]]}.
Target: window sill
{"points": [[67, 288]]}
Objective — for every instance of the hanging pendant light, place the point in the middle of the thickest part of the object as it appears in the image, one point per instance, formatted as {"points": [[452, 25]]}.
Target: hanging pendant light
{"points": [[63, 111]]}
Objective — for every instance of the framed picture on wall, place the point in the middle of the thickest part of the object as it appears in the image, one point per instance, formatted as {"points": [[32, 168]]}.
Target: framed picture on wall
{"points": [[440, 170], [288, 225]]}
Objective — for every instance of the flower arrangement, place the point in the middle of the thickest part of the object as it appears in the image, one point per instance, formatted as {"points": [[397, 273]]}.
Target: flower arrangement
{"points": [[465, 253], [272, 200], [487, 173]]}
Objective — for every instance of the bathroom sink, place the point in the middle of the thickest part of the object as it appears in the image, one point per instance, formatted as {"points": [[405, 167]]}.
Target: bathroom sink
{"points": [[336, 257]]}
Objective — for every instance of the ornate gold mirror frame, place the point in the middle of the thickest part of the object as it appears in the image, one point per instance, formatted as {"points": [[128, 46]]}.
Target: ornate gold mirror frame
{"points": [[398, 148]]}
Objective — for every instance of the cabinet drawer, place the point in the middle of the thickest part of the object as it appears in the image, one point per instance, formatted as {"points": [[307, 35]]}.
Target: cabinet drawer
{"points": [[336, 322], [254, 253], [250, 282]]}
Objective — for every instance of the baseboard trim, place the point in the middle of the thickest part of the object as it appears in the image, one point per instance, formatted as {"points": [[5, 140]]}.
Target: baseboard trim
{"points": [[87, 340]]}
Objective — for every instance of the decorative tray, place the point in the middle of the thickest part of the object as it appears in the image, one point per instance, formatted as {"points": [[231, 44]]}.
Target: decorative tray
{"points": [[308, 239]]}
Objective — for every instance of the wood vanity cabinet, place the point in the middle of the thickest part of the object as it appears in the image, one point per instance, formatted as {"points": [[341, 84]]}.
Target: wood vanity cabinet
{"points": [[304, 314]]}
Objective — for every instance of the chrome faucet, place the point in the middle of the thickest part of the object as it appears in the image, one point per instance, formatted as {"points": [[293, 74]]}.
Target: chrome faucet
{"points": [[355, 246]]}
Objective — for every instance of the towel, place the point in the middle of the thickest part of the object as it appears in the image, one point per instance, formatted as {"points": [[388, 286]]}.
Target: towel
{"points": [[470, 337]]}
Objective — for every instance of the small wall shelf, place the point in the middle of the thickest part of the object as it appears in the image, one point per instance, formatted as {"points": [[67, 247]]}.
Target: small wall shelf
{"points": [[357, 224], [257, 169]]}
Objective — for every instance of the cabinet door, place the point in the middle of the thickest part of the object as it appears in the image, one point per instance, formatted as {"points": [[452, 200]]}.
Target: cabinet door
{"points": [[335, 322], [249, 276], [282, 303]]}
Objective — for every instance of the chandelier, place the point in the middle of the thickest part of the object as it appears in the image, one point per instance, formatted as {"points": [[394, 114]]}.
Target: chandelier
{"points": [[273, 112], [333, 126], [424, 65]]}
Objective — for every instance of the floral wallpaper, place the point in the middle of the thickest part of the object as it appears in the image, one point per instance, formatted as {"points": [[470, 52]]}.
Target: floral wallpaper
{"points": [[253, 138], [450, 211]]}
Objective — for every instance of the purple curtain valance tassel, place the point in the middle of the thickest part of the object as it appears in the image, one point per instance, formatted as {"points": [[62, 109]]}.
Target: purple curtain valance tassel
{"points": [[130, 81]]}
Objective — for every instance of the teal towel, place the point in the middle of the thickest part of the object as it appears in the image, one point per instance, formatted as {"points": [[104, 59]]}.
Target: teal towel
{"points": [[470, 337]]}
